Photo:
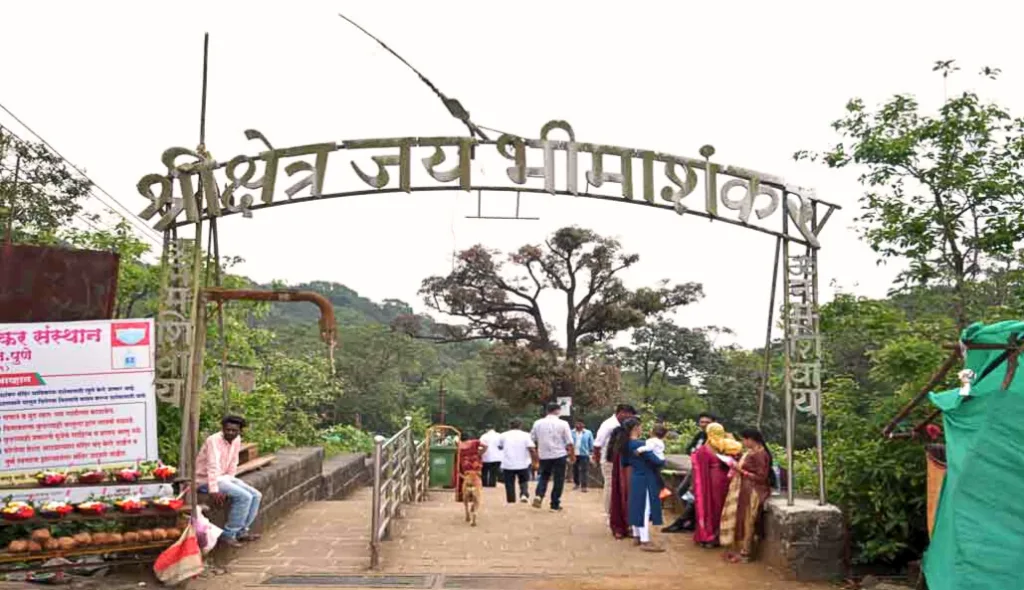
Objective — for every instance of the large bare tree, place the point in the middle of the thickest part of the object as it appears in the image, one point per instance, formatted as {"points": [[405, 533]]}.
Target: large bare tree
{"points": [[498, 296]]}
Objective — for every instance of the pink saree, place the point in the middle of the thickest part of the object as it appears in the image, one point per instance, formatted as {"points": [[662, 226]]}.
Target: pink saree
{"points": [[710, 487]]}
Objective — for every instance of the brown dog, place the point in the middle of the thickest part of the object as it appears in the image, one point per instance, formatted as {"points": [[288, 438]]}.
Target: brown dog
{"points": [[472, 490]]}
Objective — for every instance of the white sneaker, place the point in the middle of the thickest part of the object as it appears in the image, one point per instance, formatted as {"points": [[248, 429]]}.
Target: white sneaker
{"points": [[524, 499]]}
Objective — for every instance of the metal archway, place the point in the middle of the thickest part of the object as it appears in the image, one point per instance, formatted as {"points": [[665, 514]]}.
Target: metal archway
{"points": [[197, 188]]}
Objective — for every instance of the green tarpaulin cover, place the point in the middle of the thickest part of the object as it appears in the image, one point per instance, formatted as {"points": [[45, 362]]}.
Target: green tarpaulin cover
{"points": [[978, 539]]}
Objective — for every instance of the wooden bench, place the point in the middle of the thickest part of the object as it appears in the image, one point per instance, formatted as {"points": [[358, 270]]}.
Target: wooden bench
{"points": [[248, 452], [249, 459], [254, 465]]}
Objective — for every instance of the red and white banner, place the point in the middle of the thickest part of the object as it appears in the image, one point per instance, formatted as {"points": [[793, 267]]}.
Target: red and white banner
{"points": [[76, 394]]}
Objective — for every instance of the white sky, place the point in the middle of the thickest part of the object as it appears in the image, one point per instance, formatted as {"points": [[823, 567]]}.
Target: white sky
{"points": [[113, 84]]}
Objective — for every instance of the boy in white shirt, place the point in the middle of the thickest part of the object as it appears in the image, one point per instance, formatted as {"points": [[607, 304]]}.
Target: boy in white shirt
{"points": [[656, 445], [518, 452]]}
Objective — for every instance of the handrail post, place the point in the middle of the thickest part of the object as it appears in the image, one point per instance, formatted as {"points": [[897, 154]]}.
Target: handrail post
{"points": [[378, 442], [410, 453]]}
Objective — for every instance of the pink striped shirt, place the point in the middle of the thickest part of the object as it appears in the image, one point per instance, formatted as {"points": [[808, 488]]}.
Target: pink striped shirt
{"points": [[217, 457]]}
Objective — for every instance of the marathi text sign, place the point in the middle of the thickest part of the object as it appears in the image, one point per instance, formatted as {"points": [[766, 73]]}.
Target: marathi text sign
{"points": [[76, 395]]}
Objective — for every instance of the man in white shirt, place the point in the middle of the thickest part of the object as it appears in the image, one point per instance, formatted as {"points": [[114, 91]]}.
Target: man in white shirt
{"points": [[604, 434], [517, 453], [554, 449], [491, 458]]}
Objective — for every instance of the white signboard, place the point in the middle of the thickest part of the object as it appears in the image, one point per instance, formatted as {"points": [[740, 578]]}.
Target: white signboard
{"points": [[76, 395], [566, 404]]}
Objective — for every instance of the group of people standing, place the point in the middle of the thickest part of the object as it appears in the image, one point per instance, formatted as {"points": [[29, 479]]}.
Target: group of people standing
{"points": [[731, 480], [548, 450]]}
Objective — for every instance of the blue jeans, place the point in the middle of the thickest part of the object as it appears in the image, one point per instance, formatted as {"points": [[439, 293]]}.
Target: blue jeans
{"points": [[245, 504]]}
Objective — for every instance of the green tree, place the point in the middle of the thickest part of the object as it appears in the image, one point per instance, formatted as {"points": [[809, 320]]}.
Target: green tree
{"points": [[39, 192], [663, 350], [500, 299], [944, 192]]}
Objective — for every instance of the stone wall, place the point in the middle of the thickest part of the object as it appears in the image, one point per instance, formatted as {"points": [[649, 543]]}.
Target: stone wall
{"points": [[805, 541], [680, 463], [298, 476]]}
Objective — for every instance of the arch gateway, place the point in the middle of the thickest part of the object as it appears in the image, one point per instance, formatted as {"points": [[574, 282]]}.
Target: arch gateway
{"points": [[195, 189]]}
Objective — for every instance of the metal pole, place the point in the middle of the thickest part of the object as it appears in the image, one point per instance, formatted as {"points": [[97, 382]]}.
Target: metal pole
{"points": [[440, 393], [410, 456], [195, 382], [819, 419], [378, 442], [787, 329], [225, 390], [768, 334]]}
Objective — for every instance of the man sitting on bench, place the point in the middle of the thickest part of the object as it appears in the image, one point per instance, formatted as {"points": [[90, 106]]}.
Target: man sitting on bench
{"points": [[216, 467]]}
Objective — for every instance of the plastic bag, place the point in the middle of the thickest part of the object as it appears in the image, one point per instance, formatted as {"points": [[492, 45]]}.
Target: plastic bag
{"points": [[181, 561], [207, 533]]}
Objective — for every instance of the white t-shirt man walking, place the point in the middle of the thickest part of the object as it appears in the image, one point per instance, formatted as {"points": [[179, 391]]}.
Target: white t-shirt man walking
{"points": [[517, 453], [492, 458], [554, 447]]}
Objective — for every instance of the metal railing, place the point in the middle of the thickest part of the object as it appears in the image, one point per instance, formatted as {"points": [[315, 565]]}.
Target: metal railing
{"points": [[400, 476]]}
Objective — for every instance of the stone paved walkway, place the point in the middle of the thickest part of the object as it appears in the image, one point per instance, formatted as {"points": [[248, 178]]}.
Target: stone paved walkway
{"points": [[570, 550]]}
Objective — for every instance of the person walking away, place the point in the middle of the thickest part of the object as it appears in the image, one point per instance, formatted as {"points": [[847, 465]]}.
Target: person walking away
{"points": [[216, 467], [711, 482], [517, 454], [644, 503], [618, 482], [554, 449], [703, 419], [656, 445], [752, 481], [583, 445], [601, 448], [492, 458]]}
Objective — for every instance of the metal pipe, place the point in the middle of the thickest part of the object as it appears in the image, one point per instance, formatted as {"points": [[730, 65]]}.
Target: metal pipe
{"points": [[378, 444], [328, 330], [787, 330], [819, 419], [768, 333], [936, 377]]}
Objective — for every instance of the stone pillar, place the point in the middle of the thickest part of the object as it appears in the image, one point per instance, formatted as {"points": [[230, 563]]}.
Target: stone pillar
{"points": [[804, 542]]}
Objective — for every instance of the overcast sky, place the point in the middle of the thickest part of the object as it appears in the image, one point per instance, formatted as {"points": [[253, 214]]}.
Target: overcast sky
{"points": [[113, 84]]}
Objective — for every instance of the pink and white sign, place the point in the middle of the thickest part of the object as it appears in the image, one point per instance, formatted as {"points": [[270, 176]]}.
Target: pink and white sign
{"points": [[76, 394]]}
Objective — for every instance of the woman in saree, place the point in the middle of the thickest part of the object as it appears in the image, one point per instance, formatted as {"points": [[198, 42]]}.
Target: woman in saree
{"points": [[711, 482], [619, 507], [752, 481]]}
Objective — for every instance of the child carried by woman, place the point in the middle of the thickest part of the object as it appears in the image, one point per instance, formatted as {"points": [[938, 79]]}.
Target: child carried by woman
{"points": [[656, 445]]}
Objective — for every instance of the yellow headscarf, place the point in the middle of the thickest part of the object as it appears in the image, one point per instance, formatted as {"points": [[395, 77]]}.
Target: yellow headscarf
{"points": [[721, 441]]}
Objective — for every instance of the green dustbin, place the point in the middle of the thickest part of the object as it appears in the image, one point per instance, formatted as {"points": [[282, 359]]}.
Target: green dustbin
{"points": [[442, 466]]}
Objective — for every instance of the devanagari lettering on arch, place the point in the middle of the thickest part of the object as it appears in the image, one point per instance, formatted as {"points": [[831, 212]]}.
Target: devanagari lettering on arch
{"points": [[383, 177], [806, 400], [317, 171], [683, 187], [745, 205], [462, 171], [624, 177]]}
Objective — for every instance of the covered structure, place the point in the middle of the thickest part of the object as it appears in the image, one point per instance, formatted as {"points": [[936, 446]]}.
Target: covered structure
{"points": [[978, 522]]}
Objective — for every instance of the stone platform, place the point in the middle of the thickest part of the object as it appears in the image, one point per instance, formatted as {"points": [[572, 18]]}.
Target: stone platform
{"points": [[296, 477]]}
